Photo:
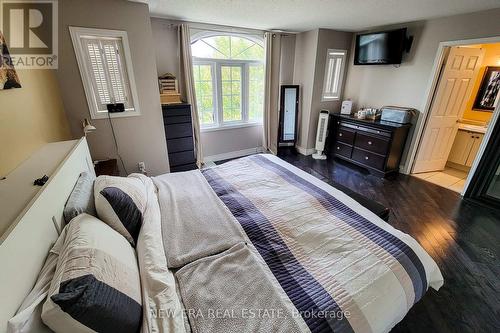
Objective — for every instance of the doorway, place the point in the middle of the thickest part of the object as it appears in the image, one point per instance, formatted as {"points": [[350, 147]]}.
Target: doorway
{"points": [[465, 97]]}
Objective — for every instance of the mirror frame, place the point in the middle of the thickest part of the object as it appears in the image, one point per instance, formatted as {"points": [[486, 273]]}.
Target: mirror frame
{"points": [[282, 110]]}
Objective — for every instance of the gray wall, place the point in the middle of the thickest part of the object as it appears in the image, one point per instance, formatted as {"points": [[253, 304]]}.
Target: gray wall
{"points": [[139, 138], [407, 85], [310, 60]]}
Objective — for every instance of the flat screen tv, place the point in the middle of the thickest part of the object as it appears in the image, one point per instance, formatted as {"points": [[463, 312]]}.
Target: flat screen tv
{"points": [[380, 48]]}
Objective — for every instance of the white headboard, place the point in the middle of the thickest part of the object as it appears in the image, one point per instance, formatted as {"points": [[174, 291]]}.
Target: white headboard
{"points": [[26, 242]]}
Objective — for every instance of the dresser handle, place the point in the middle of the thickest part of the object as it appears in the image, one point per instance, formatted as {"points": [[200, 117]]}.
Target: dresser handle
{"points": [[378, 132], [369, 142], [366, 157], [340, 134], [338, 148]]}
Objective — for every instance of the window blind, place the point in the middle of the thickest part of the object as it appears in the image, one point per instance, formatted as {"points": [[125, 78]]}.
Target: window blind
{"points": [[107, 71]]}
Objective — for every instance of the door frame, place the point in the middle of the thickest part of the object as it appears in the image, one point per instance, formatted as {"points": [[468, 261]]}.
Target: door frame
{"points": [[430, 92], [488, 168]]}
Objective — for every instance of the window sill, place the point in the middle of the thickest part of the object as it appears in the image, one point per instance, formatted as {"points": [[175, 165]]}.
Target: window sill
{"points": [[229, 127], [104, 115]]}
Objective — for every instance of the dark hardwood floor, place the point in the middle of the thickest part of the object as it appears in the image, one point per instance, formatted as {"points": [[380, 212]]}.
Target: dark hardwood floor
{"points": [[462, 237]]}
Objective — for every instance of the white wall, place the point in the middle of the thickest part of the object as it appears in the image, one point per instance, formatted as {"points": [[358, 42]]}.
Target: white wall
{"points": [[407, 85], [139, 138]]}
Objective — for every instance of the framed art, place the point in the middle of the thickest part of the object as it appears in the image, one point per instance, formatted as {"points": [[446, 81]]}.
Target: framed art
{"points": [[8, 75], [487, 95]]}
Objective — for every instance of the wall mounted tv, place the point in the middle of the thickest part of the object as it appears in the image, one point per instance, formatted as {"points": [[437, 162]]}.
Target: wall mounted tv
{"points": [[381, 48]]}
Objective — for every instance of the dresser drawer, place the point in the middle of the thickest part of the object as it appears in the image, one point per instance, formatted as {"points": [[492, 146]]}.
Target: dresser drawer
{"points": [[371, 143], [345, 135], [368, 159], [342, 149], [176, 119], [172, 111], [184, 157], [181, 144], [174, 131], [184, 167]]}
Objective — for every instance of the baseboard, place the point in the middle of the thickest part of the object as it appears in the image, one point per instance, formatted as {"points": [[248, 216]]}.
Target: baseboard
{"points": [[233, 154], [305, 151]]}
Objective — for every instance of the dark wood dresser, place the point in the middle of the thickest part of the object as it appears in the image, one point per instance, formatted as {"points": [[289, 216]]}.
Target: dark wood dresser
{"points": [[373, 144], [179, 134]]}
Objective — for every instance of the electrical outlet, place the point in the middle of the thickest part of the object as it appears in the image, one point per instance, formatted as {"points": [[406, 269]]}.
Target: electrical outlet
{"points": [[142, 167]]}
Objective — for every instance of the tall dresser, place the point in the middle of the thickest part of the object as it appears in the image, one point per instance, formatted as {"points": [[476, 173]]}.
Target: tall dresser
{"points": [[373, 144], [179, 133]]}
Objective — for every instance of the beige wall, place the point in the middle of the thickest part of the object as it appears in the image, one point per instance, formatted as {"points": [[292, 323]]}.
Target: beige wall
{"points": [[303, 75], [310, 60], [491, 58], [166, 45], [287, 60], [407, 84], [231, 140], [30, 117], [139, 138], [327, 39]]}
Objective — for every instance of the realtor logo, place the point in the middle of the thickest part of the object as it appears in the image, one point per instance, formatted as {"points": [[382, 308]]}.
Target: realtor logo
{"points": [[30, 30]]}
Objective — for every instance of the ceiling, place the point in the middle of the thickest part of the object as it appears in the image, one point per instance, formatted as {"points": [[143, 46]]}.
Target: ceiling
{"points": [[303, 15]]}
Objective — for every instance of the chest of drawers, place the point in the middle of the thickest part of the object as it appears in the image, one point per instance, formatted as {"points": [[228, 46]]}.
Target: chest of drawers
{"points": [[179, 134], [373, 144]]}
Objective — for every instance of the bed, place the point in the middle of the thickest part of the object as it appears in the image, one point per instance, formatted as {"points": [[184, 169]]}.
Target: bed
{"points": [[257, 245]]}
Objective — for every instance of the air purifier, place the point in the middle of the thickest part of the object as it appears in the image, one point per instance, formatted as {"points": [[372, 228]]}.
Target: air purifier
{"points": [[321, 134]]}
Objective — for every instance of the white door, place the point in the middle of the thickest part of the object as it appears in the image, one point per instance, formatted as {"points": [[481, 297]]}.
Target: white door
{"points": [[452, 93]]}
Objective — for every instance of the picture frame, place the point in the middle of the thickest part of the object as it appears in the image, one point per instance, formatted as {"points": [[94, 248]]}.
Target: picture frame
{"points": [[8, 75], [488, 95]]}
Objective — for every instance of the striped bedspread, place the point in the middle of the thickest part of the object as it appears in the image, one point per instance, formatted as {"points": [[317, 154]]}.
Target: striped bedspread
{"points": [[343, 268]]}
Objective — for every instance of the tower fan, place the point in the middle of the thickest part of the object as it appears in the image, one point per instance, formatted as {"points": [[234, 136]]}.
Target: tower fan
{"points": [[324, 115]]}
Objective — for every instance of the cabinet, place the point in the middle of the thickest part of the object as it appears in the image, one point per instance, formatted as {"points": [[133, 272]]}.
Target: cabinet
{"points": [[373, 144], [465, 147], [179, 135]]}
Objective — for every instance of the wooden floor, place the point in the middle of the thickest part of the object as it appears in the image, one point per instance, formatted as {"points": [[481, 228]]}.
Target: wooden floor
{"points": [[463, 238]]}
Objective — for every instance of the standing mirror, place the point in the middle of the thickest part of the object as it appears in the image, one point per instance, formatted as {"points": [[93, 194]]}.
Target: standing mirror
{"points": [[289, 109]]}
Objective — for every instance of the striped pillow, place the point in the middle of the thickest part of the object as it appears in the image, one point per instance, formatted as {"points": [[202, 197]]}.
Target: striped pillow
{"points": [[120, 202], [96, 285]]}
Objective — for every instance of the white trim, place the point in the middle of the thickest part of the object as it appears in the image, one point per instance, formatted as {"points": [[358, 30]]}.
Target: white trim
{"points": [[431, 87], [334, 54], [76, 33], [234, 154], [305, 151], [486, 138], [217, 64], [256, 38], [229, 126]]}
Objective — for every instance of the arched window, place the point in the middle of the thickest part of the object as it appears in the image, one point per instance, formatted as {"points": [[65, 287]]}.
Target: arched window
{"points": [[229, 79]]}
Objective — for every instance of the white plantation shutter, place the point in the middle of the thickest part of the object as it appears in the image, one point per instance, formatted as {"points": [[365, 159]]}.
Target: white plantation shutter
{"points": [[334, 73], [107, 71]]}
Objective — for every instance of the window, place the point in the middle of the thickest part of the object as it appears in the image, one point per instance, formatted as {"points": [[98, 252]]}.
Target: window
{"points": [[228, 73], [106, 69], [334, 74]]}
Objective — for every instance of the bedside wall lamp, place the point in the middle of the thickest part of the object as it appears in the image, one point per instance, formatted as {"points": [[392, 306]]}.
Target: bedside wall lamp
{"points": [[87, 126]]}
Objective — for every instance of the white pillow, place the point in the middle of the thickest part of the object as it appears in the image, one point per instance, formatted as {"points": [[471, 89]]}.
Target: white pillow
{"points": [[28, 316], [120, 202], [96, 285]]}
